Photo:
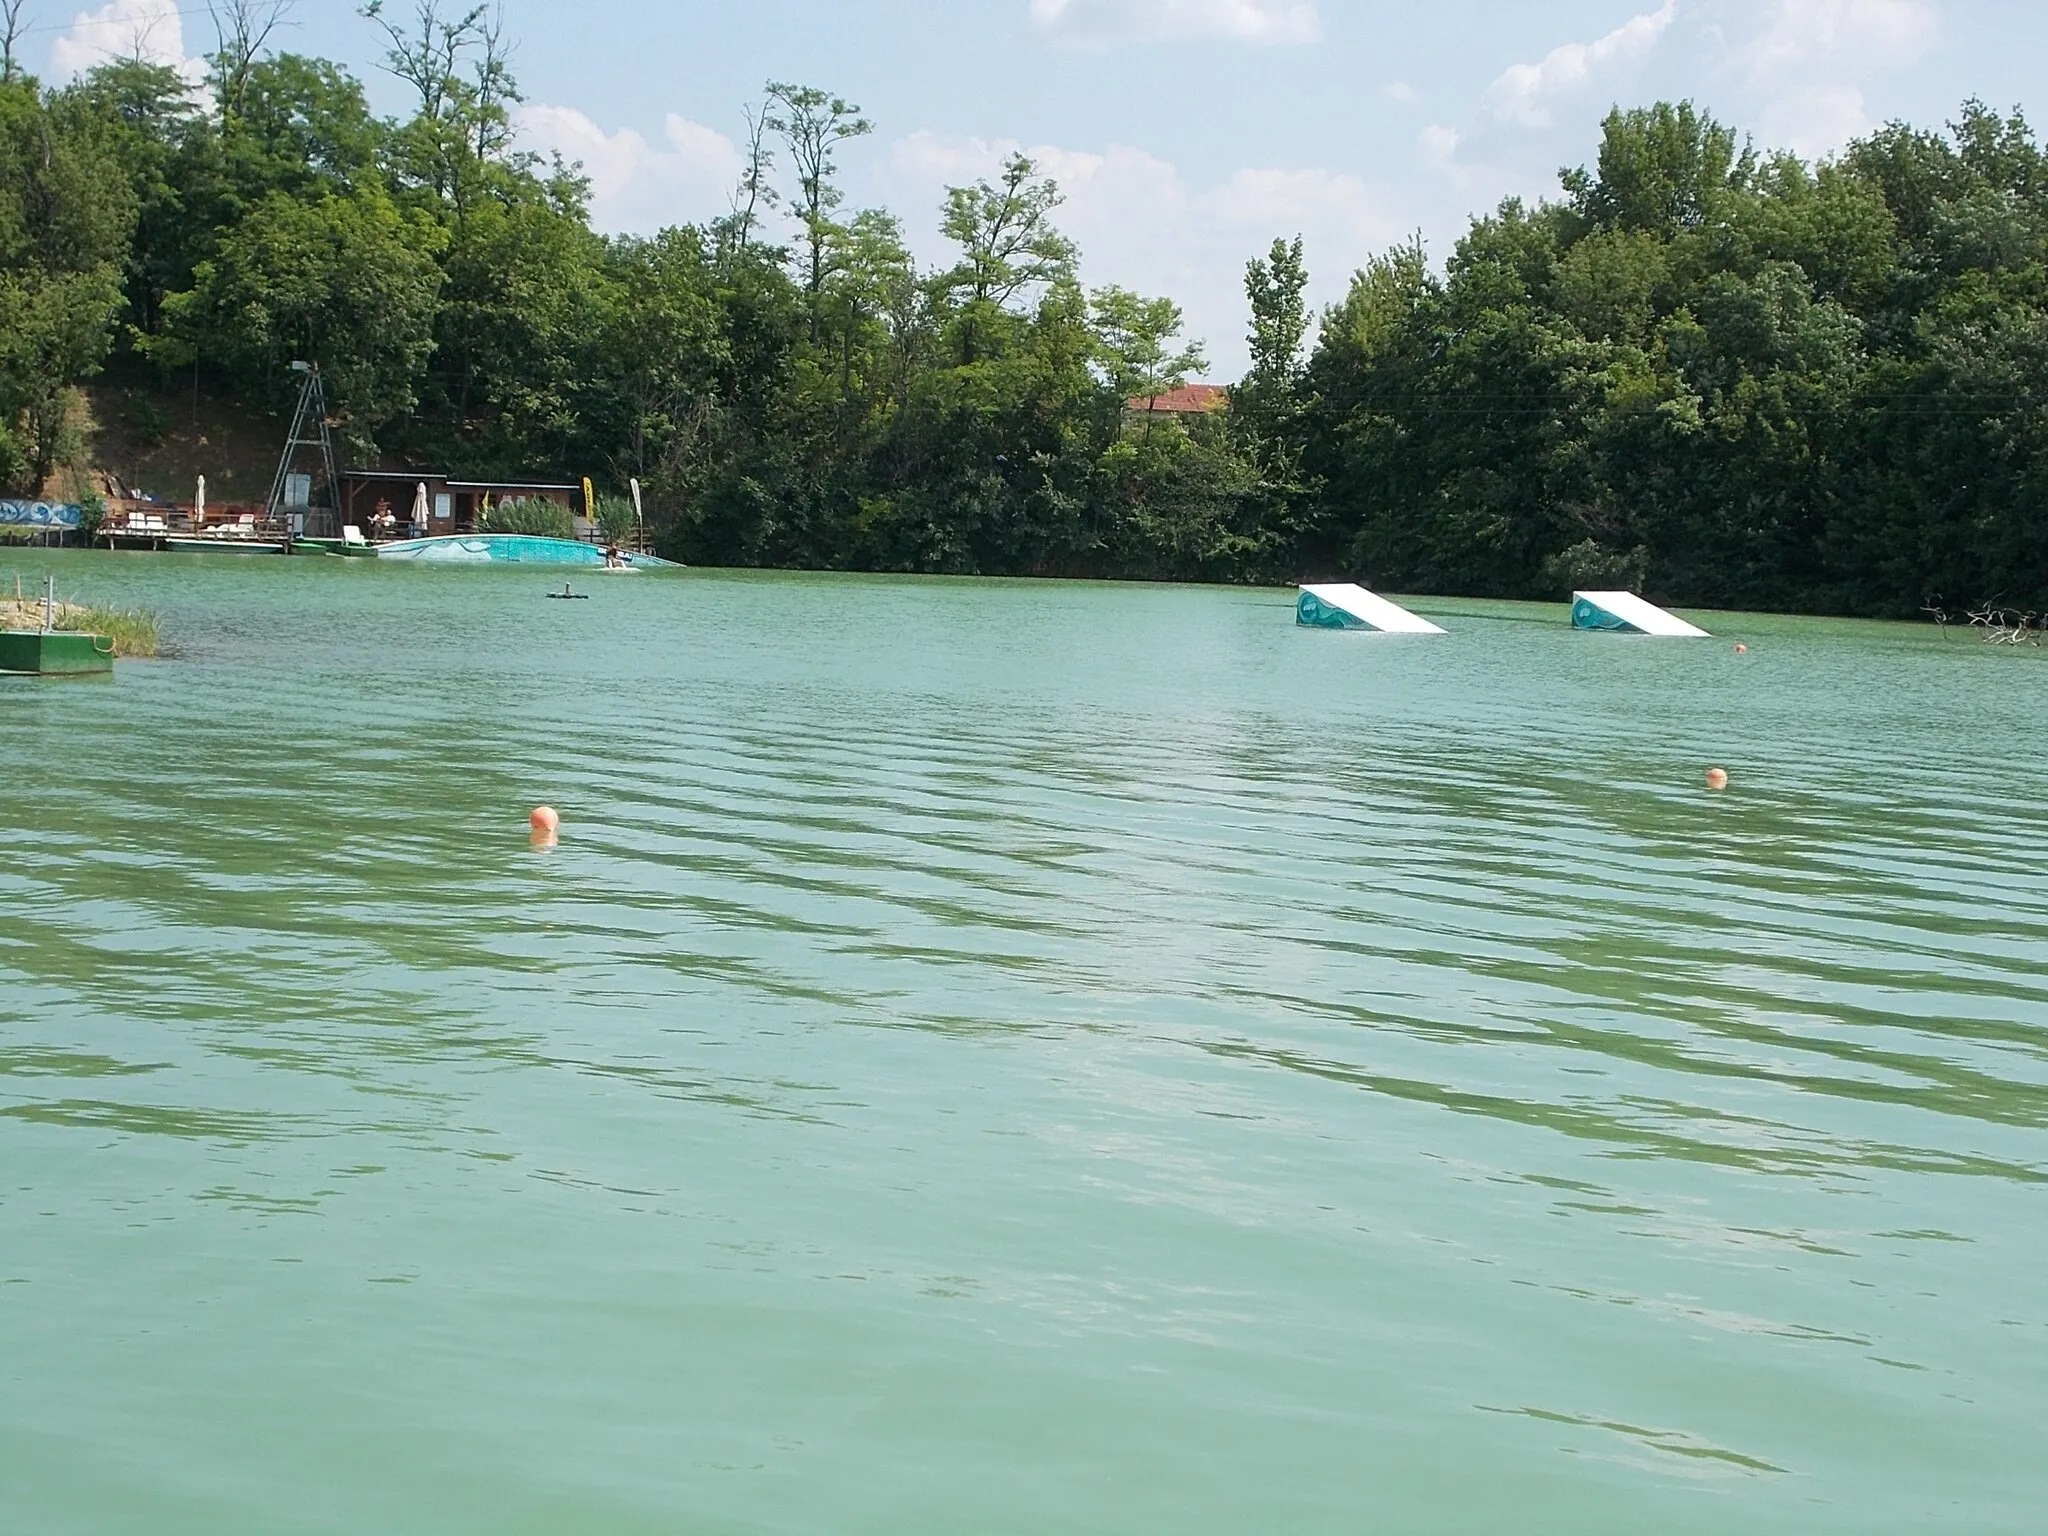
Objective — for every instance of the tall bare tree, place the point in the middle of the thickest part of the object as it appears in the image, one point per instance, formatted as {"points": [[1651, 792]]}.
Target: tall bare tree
{"points": [[754, 192], [459, 65], [13, 22], [241, 31], [496, 91], [427, 54]]}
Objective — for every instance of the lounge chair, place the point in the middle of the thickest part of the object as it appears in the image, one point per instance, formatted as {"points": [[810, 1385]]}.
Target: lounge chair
{"points": [[352, 536]]}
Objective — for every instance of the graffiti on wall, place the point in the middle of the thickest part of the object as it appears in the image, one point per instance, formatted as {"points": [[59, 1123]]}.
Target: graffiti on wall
{"points": [[39, 514]]}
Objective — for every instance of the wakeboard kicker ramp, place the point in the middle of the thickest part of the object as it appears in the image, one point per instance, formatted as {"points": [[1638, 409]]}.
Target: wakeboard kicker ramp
{"points": [[1628, 614], [1343, 605]]}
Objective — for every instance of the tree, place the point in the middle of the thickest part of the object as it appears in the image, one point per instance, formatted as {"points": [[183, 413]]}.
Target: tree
{"points": [[347, 281], [66, 214], [754, 193], [1007, 244], [813, 124], [1279, 314], [459, 141], [1005, 234], [241, 30], [1264, 402], [159, 136], [1137, 336], [662, 356], [13, 22], [304, 127], [1662, 168]]}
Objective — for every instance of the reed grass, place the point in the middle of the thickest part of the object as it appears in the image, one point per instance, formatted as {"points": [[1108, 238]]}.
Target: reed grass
{"points": [[135, 631]]}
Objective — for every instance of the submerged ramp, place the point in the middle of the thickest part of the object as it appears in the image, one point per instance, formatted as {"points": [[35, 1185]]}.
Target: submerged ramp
{"points": [[502, 548], [1628, 613], [1343, 605]]}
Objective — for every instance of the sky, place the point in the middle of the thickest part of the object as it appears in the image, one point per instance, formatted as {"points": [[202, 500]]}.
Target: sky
{"points": [[1185, 134]]}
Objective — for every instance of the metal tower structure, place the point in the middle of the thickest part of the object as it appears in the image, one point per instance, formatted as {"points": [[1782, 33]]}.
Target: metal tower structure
{"points": [[291, 492]]}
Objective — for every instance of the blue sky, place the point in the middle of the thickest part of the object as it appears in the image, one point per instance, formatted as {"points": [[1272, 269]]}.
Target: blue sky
{"points": [[1187, 133]]}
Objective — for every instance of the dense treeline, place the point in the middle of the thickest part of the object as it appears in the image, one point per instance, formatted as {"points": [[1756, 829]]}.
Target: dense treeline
{"points": [[1731, 379], [1744, 381]]}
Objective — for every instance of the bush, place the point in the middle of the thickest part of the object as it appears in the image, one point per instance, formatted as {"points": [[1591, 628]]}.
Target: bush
{"points": [[92, 513], [147, 422], [615, 519], [530, 515], [1590, 566], [134, 631]]}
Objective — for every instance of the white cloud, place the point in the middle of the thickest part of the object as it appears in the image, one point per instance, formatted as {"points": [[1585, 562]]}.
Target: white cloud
{"points": [[1401, 93], [1523, 92], [1141, 223], [637, 187], [1799, 32], [1247, 21], [125, 29], [1818, 120], [1809, 61], [1439, 146]]}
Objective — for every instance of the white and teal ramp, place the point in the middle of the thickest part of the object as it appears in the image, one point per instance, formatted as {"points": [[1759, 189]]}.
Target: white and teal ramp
{"points": [[1627, 614], [508, 548], [1343, 605]]}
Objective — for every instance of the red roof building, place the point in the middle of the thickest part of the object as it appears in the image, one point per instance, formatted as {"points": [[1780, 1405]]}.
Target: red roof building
{"points": [[1188, 400]]}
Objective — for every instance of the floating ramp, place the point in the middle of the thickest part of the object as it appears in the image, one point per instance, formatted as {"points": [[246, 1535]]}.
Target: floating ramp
{"points": [[1626, 612], [1346, 606], [514, 548]]}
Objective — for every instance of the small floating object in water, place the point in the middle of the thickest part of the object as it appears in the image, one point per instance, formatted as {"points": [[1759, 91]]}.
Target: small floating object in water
{"points": [[546, 824], [1741, 649], [566, 593], [1717, 778]]}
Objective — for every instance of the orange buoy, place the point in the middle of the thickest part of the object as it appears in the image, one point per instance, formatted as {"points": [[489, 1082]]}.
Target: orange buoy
{"points": [[545, 819], [1717, 778]]}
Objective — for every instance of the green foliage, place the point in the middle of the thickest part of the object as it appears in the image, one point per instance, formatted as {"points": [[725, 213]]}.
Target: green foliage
{"points": [[135, 632], [1661, 169], [531, 515], [1736, 382], [66, 216], [1275, 288], [1138, 339], [616, 519], [1729, 377], [812, 125], [349, 281]]}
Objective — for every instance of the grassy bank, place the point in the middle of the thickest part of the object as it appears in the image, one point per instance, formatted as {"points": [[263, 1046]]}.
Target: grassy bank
{"points": [[134, 631]]}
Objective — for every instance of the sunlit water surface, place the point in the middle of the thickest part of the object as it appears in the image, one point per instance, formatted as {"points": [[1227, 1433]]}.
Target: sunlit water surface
{"points": [[1012, 1057]]}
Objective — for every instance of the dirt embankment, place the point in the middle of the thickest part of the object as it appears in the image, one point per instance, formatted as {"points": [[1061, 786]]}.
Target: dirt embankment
{"points": [[142, 436]]}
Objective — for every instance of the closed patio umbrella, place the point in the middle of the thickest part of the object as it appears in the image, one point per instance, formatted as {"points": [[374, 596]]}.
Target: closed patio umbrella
{"points": [[199, 505], [419, 506]]}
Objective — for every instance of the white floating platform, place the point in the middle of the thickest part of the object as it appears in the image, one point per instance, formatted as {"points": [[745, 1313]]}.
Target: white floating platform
{"points": [[1628, 613], [1344, 605]]}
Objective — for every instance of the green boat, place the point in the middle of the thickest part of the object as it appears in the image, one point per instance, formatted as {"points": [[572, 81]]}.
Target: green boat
{"points": [[305, 546]]}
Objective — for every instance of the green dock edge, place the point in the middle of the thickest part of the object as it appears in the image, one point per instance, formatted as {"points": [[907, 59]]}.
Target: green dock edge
{"points": [[54, 654]]}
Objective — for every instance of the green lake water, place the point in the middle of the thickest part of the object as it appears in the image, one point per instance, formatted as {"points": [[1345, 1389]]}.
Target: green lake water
{"points": [[1013, 1057]]}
